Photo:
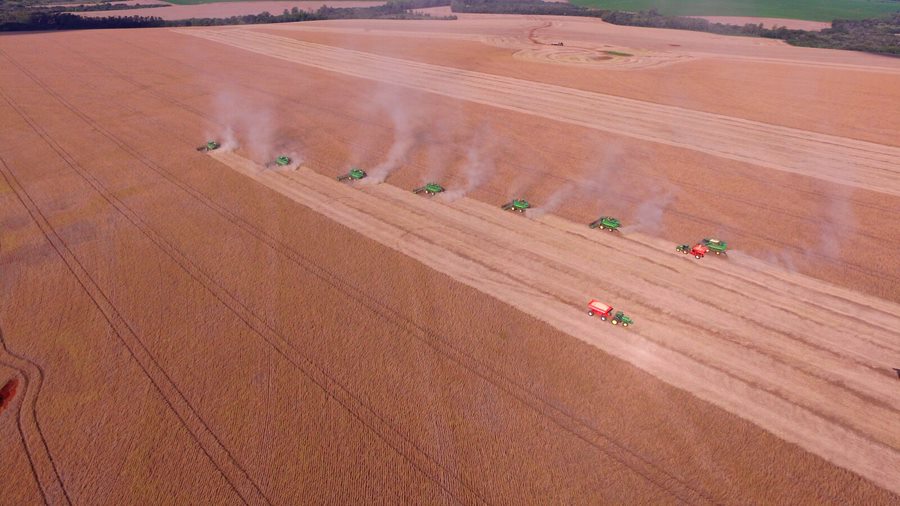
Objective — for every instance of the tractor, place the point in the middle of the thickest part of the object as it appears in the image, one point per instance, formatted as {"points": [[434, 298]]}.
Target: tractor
{"points": [[606, 223], [595, 307], [519, 205], [716, 246], [622, 318], [209, 146], [698, 250], [281, 161], [355, 174], [429, 189]]}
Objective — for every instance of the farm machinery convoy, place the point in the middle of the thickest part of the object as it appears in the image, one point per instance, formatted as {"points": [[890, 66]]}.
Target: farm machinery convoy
{"points": [[520, 205], [605, 312]]}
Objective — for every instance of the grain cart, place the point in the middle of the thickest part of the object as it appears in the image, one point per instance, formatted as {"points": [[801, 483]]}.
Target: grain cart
{"points": [[355, 174], [519, 205], [429, 189], [606, 223]]}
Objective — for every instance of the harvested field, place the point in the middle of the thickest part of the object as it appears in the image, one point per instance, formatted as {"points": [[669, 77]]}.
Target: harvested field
{"points": [[227, 9], [793, 24], [279, 337]]}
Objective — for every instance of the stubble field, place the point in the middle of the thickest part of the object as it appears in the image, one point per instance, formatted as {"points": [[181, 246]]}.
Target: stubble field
{"points": [[194, 328]]}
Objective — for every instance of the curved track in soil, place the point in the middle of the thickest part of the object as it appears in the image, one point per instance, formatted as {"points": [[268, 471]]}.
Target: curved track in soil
{"points": [[43, 466]]}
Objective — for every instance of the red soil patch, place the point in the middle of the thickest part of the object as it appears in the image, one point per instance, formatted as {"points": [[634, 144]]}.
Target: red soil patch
{"points": [[7, 393]]}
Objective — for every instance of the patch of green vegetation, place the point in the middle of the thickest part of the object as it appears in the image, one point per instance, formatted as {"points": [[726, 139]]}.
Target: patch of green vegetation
{"points": [[618, 53], [812, 10]]}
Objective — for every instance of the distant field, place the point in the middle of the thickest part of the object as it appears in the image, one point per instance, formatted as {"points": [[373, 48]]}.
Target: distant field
{"points": [[813, 10]]}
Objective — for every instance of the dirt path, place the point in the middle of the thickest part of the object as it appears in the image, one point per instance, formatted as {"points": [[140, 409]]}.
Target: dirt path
{"points": [[835, 159], [699, 330]]}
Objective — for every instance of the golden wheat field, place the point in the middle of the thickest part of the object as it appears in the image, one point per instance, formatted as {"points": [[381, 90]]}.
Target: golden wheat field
{"points": [[188, 327]]}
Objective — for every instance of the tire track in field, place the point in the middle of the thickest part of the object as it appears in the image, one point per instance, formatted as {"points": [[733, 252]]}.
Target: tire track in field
{"points": [[206, 439], [43, 466], [841, 160], [376, 423]]}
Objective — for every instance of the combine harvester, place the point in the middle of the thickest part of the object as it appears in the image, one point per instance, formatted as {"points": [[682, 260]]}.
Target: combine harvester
{"points": [[606, 223], [209, 146], [716, 246], [281, 161], [519, 205], [429, 189], [595, 307], [355, 174]]}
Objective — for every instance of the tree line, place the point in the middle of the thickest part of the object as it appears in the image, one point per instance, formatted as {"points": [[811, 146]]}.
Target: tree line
{"points": [[51, 19]]}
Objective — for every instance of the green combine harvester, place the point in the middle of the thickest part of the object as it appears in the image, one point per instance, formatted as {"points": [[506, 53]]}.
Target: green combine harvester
{"points": [[355, 174], [607, 223], [716, 246], [209, 146], [429, 189], [621, 317], [519, 205], [281, 161]]}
